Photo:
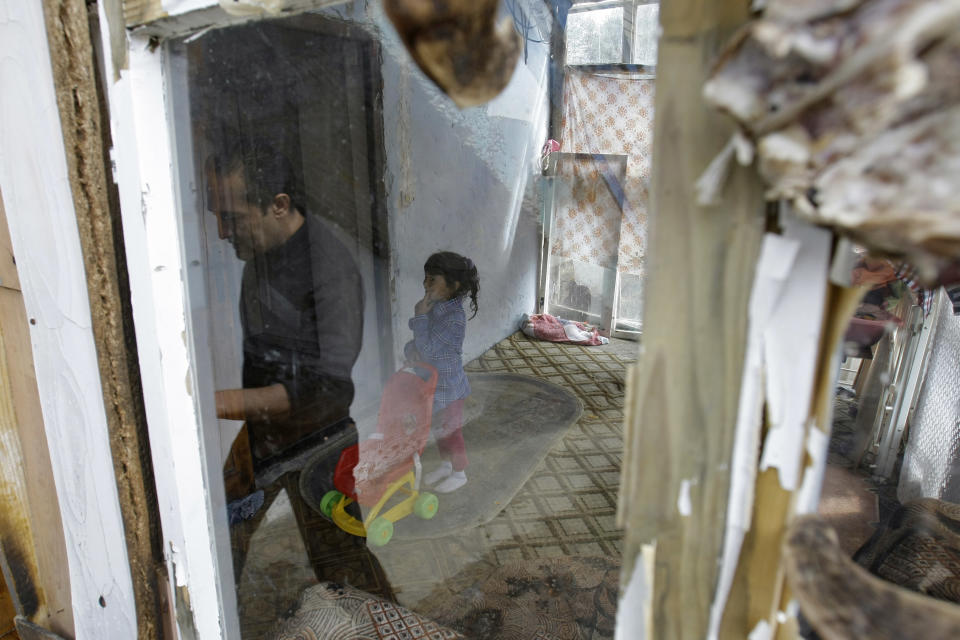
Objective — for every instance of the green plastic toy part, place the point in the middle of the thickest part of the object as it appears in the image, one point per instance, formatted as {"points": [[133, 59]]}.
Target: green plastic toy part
{"points": [[329, 501], [426, 506], [379, 532]]}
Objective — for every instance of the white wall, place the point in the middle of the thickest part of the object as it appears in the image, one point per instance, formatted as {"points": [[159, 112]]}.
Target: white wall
{"points": [[464, 181], [455, 180]]}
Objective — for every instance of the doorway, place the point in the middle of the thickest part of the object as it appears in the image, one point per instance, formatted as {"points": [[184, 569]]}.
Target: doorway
{"points": [[583, 212]]}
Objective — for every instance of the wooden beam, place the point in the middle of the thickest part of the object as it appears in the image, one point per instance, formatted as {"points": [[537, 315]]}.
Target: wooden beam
{"points": [[697, 19], [86, 144], [43, 230], [137, 12], [31, 533], [699, 273]]}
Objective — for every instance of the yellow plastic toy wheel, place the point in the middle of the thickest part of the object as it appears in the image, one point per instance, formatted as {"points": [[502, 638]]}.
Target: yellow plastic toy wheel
{"points": [[329, 501], [379, 532], [426, 506]]}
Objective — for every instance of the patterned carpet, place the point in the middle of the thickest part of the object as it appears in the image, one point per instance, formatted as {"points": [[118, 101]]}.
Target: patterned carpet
{"points": [[566, 510], [568, 507], [918, 549]]}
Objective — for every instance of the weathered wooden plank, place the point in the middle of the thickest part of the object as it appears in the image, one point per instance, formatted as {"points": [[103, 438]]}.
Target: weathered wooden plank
{"points": [[27, 630], [197, 557], [43, 229], [8, 267], [700, 268], [7, 612], [23, 432], [32, 532], [137, 12], [96, 205], [685, 19]]}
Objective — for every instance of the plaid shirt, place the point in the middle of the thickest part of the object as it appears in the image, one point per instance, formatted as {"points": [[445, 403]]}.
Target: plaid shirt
{"points": [[438, 337]]}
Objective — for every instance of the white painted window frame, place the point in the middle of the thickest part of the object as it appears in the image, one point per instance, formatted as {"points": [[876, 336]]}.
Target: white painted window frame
{"points": [[190, 493], [629, 8], [175, 376]]}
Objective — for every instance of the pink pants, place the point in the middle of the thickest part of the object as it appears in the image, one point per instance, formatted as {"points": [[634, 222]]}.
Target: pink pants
{"points": [[449, 423]]}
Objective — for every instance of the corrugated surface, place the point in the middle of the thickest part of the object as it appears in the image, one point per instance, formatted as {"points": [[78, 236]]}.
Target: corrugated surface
{"points": [[931, 466]]}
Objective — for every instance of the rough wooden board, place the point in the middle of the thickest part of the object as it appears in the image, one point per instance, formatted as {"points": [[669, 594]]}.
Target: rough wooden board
{"points": [[16, 533], [7, 611], [700, 268], [137, 12], [759, 590], [756, 588], [95, 202], [43, 229], [841, 305], [30, 631], [690, 18], [8, 269], [40, 526]]}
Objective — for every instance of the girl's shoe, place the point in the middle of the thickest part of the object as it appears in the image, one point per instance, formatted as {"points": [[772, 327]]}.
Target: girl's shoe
{"points": [[453, 482], [440, 473]]}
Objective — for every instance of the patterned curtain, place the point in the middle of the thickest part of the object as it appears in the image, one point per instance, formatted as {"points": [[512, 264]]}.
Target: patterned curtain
{"points": [[613, 115], [589, 209]]}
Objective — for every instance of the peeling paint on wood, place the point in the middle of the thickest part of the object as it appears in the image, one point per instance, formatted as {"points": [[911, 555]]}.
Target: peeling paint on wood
{"points": [[30, 631], [137, 12], [700, 267], [855, 113], [185, 483], [43, 228], [27, 522], [95, 203], [19, 563]]}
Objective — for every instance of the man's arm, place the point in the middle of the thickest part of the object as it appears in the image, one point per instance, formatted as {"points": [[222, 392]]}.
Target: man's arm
{"points": [[261, 404]]}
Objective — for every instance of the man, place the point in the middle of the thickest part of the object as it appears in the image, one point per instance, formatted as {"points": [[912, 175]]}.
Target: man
{"points": [[301, 308], [301, 312]]}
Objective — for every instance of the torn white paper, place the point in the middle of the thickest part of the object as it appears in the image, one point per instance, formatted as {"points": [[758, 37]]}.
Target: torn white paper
{"points": [[777, 256], [791, 343]]}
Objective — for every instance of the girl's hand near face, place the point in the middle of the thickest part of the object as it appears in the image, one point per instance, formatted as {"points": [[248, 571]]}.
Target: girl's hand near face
{"points": [[423, 307]]}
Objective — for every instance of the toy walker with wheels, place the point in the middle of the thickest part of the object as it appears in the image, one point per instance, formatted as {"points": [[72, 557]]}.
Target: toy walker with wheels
{"points": [[385, 467]]}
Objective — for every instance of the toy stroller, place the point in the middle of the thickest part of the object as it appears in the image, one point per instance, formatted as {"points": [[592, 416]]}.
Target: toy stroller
{"points": [[388, 463]]}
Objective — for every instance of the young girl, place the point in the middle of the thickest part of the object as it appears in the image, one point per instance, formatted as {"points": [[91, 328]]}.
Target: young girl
{"points": [[439, 325]]}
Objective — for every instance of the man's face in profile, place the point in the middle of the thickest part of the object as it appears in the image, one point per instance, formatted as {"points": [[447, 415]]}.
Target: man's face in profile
{"points": [[243, 223]]}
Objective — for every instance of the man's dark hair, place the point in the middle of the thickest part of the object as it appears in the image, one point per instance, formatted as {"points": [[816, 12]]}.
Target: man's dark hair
{"points": [[266, 172]]}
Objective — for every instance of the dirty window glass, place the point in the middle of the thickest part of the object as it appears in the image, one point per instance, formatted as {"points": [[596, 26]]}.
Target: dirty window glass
{"points": [[408, 311], [595, 36], [646, 26]]}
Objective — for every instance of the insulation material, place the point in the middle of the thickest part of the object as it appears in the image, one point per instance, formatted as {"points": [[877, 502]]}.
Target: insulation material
{"points": [[854, 109], [931, 463]]}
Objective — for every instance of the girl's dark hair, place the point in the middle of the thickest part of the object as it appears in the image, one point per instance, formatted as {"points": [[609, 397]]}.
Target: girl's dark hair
{"points": [[456, 268]]}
